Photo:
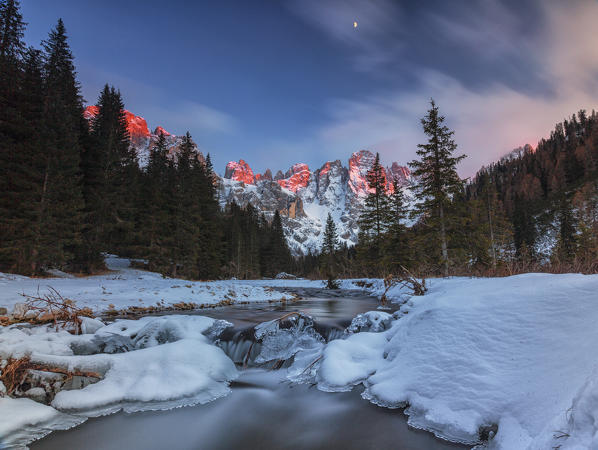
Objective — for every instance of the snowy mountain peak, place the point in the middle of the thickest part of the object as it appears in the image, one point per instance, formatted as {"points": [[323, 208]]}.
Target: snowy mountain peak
{"points": [[517, 152], [136, 125], [304, 198], [239, 171], [296, 177], [141, 137], [159, 130], [359, 164]]}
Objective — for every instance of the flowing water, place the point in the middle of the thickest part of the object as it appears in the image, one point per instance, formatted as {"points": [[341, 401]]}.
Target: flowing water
{"points": [[264, 411]]}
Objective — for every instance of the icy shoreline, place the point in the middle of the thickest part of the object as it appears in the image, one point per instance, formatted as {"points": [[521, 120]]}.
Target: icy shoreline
{"points": [[127, 288], [477, 355], [509, 359], [151, 363]]}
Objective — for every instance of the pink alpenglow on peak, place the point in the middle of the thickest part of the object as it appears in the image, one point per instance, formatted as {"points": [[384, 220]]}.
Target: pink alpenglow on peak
{"points": [[159, 130], [239, 171], [359, 164], [297, 177], [90, 112], [397, 172], [136, 125]]}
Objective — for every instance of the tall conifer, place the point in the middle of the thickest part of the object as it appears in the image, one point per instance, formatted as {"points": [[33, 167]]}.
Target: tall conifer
{"points": [[329, 248], [12, 49], [61, 200], [436, 177]]}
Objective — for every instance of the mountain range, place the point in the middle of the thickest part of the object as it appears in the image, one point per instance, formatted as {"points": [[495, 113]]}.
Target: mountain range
{"points": [[303, 196]]}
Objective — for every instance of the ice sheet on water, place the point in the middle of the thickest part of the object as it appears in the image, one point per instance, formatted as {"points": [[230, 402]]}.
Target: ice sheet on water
{"points": [[216, 329], [371, 321], [282, 339], [146, 364], [27, 420]]}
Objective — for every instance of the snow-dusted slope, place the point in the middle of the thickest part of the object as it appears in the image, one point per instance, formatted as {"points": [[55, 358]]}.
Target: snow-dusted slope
{"points": [[304, 198]]}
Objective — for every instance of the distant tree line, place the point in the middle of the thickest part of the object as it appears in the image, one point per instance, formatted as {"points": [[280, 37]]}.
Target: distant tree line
{"points": [[534, 211], [72, 190], [550, 191]]}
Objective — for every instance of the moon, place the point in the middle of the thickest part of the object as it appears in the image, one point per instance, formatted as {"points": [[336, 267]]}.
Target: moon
{"points": [[355, 24]]}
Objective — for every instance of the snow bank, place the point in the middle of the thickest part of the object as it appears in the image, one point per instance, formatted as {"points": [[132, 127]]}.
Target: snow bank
{"points": [[23, 420], [181, 373], [517, 352], [126, 287], [150, 363]]}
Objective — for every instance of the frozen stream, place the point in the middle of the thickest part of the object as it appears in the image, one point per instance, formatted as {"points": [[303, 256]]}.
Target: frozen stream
{"points": [[264, 410]]}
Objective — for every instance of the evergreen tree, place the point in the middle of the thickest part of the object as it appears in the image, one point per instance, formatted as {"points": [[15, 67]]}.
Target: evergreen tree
{"points": [[210, 254], [12, 49], [329, 248], [156, 191], [499, 227], [565, 249], [108, 179], [376, 216], [397, 250], [186, 215], [23, 178], [437, 178], [278, 243], [524, 230], [12, 30], [61, 200]]}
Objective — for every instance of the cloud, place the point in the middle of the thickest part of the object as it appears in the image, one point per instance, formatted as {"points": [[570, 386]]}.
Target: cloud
{"points": [[188, 115], [376, 24], [558, 61]]}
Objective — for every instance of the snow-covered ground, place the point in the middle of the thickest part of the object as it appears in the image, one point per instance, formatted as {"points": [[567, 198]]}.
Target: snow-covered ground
{"points": [[124, 287], [513, 358], [516, 352], [145, 364]]}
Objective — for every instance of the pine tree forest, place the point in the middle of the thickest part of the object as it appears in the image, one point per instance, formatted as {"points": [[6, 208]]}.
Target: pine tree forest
{"points": [[72, 190]]}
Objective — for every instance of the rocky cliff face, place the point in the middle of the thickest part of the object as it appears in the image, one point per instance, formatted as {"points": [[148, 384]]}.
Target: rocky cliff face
{"points": [[142, 139], [304, 198]]}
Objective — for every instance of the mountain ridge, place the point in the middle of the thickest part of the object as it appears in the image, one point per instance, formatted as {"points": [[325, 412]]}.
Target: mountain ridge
{"points": [[302, 196]]}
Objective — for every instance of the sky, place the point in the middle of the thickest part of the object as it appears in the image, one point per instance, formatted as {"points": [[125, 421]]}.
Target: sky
{"points": [[276, 82]]}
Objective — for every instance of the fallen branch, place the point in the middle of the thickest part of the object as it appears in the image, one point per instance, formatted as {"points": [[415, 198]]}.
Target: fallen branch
{"points": [[15, 372], [405, 279], [54, 308], [68, 373], [312, 364]]}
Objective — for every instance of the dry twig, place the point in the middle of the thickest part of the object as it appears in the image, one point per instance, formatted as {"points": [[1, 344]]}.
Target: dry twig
{"points": [[53, 307], [405, 279]]}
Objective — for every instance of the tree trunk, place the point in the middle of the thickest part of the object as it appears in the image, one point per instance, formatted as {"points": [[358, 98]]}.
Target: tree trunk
{"points": [[42, 206], [493, 247], [443, 242]]}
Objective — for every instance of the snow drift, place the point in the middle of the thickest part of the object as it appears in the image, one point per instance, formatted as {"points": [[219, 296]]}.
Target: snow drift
{"points": [[156, 363], [473, 354]]}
